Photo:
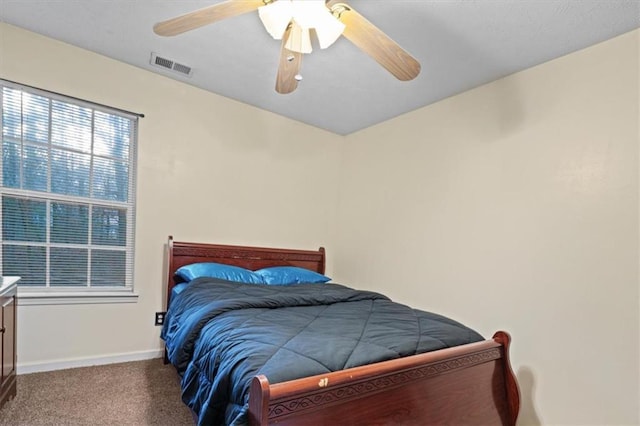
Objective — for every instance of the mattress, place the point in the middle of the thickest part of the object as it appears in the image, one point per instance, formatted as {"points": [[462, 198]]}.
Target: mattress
{"points": [[220, 334]]}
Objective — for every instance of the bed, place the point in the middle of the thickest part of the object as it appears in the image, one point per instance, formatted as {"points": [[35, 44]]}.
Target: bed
{"points": [[466, 384]]}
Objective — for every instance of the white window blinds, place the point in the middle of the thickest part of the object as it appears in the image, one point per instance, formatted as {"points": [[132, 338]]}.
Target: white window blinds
{"points": [[68, 191]]}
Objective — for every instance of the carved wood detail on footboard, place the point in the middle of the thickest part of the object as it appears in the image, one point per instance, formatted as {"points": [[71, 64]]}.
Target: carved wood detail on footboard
{"points": [[469, 384], [377, 384]]}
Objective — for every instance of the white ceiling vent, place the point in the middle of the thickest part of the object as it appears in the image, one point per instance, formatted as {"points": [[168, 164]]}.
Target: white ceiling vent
{"points": [[171, 65]]}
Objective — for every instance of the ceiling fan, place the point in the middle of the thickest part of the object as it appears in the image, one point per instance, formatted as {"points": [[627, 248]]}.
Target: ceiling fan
{"points": [[294, 21]]}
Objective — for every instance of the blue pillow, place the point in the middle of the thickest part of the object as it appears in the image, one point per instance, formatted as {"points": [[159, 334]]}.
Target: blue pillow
{"points": [[283, 275], [177, 289], [218, 270]]}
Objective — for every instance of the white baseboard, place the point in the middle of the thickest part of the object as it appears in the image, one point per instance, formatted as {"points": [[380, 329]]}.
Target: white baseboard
{"points": [[36, 367]]}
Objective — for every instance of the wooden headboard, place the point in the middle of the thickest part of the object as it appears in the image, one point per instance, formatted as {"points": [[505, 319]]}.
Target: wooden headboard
{"points": [[181, 253]]}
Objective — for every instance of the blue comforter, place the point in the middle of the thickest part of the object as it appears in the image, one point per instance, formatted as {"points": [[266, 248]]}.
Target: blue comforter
{"points": [[220, 334]]}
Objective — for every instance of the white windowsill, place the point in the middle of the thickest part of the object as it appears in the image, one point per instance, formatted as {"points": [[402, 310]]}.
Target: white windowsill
{"points": [[30, 297]]}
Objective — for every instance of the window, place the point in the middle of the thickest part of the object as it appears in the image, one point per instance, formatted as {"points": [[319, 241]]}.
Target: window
{"points": [[68, 193]]}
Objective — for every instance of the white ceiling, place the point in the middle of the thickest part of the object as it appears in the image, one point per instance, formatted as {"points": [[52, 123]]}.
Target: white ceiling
{"points": [[461, 44]]}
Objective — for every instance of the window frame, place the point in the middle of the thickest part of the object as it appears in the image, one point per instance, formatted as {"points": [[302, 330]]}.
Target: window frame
{"points": [[45, 295]]}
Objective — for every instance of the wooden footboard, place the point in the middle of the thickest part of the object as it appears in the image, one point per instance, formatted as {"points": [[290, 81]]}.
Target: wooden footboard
{"points": [[471, 384]]}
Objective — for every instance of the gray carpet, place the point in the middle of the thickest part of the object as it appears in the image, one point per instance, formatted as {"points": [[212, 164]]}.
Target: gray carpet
{"points": [[132, 393]]}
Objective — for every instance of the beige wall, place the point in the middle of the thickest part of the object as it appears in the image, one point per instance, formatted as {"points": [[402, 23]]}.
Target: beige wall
{"points": [[210, 169], [515, 206]]}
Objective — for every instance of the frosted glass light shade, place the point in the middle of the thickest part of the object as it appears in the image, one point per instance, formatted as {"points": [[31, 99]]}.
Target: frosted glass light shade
{"points": [[304, 14], [299, 39], [275, 17]]}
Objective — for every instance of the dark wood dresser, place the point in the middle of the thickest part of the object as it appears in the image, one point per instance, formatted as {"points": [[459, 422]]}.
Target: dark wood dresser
{"points": [[8, 302]]}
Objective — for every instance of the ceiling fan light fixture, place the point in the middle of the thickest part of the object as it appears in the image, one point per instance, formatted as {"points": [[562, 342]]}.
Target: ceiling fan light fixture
{"points": [[306, 14], [299, 39], [275, 17], [293, 20], [328, 27]]}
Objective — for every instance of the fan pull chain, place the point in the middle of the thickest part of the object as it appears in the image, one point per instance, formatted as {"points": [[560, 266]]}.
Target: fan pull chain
{"points": [[298, 76]]}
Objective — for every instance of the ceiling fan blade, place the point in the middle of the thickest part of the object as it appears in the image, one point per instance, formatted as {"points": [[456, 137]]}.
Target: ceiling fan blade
{"points": [[207, 15], [288, 68], [375, 43]]}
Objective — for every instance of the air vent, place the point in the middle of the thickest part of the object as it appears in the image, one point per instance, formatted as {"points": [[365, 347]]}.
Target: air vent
{"points": [[171, 65], [182, 68]]}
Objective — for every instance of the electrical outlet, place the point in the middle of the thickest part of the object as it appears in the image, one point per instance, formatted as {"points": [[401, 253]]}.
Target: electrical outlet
{"points": [[160, 318]]}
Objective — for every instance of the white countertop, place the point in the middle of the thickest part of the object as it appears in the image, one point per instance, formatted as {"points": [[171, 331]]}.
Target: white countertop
{"points": [[7, 282]]}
